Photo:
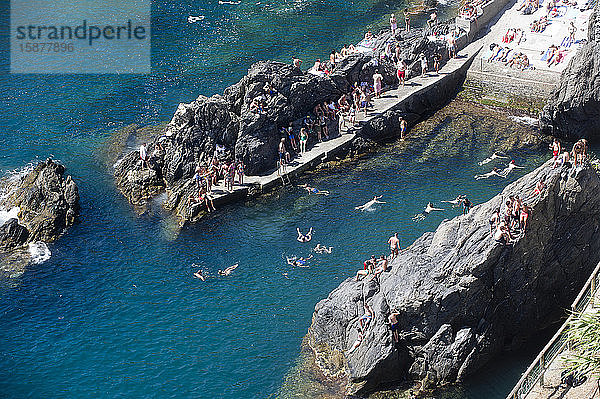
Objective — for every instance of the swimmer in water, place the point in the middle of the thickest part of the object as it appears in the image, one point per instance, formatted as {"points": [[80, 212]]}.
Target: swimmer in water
{"points": [[369, 204], [456, 201], [298, 262], [493, 172], [233, 3], [302, 237], [490, 159], [200, 274], [228, 270], [428, 209], [191, 19], [511, 165], [320, 249], [312, 190]]}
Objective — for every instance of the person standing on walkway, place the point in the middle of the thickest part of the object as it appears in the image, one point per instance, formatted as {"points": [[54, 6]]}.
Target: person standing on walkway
{"points": [[423, 65], [451, 46], [393, 24], [407, 19], [437, 59], [377, 83], [401, 72], [303, 140]]}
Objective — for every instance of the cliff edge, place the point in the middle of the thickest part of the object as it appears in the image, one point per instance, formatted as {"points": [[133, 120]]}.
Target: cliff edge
{"points": [[463, 297], [573, 111]]}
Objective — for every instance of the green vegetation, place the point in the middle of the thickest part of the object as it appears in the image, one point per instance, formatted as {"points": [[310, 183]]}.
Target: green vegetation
{"points": [[584, 341]]}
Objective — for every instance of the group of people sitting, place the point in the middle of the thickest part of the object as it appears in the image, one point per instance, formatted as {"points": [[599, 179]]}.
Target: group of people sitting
{"points": [[528, 7], [372, 266]]}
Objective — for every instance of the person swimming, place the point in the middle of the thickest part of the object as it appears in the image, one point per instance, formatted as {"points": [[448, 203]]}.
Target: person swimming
{"points": [[191, 19], [304, 238], [493, 172], [228, 270], [456, 201], [428, 209], [298, 262], [321, 249], [369, 204], [200, 274], [490, 159], [313, 190], [234, 3], [511, 165]]}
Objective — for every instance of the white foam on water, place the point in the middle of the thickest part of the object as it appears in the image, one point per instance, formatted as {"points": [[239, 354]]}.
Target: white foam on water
{"points": [[12, 213], [12, 179], [39, 252], [527, 120]]}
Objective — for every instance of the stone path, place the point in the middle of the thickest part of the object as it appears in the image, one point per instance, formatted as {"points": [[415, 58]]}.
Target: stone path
{"points": [[328, 150]]}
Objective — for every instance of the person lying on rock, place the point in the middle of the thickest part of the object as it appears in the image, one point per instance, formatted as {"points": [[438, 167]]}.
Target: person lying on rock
{"points": [[356, 343], [365, 319], [539, 187]]}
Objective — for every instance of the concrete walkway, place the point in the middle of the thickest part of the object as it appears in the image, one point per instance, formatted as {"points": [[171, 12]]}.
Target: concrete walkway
{"points": [[540, 81], [328, 150]]}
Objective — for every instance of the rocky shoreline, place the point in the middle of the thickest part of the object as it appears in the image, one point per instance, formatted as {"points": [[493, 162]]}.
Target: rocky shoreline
{"points": [[40, 204], [462, 297], [226, 122]]}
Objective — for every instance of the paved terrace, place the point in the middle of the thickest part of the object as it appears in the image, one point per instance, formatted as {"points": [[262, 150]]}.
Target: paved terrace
{"points": [[542, 79], [328, 150], [552, 388]]}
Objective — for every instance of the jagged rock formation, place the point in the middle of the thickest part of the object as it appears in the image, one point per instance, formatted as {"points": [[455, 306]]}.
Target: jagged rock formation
{"points": [[573, 111], [462, 296], [48, 203], [225, 120]]}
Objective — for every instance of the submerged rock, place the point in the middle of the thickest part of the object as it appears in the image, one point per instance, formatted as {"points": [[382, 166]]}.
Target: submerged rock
{"points": [[47, 202], [461, 296], [573, 111]]}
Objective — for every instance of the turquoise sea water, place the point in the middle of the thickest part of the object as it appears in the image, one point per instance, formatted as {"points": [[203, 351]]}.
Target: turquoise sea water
{"points": [[115, 312]]}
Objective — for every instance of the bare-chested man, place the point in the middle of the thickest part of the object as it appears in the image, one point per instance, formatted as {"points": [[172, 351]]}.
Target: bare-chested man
{"points": [[394, 245], [369, 204]]}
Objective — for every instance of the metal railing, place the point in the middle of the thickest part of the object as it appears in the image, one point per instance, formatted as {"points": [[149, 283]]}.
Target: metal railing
{"points": [[535, 372]]}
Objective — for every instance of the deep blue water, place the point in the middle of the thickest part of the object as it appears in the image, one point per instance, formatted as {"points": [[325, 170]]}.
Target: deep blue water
{"points": [[116, 312]]}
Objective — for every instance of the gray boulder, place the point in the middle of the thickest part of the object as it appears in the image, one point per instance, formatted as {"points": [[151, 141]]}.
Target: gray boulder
{"points": [[48, 203], [463, 297], [573, 111]]}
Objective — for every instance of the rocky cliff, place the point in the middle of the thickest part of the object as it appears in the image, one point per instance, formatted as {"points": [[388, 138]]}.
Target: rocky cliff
{"points": [[573, 111], [45, 201], [461, 296], [225, 120]]}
